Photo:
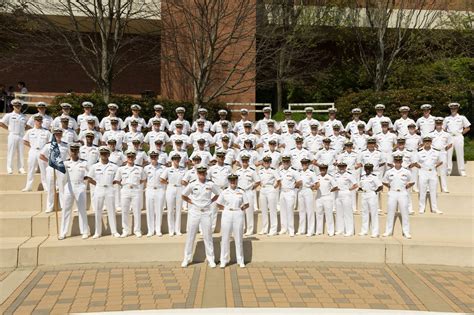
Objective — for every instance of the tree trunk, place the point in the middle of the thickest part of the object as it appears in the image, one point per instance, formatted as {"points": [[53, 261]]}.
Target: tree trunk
{"points": [[279, 87], [105, 90], [196, 105]]}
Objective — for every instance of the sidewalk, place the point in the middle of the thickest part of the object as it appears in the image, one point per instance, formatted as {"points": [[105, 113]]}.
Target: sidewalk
{"points": [[148, 286]]}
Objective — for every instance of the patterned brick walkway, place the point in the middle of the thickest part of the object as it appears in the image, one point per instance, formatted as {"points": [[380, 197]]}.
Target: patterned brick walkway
{"points": [[88, 288]]}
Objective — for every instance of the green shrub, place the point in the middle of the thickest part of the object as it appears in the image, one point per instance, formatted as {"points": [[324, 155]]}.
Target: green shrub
{"points": [[124, 102], [437, 96]]}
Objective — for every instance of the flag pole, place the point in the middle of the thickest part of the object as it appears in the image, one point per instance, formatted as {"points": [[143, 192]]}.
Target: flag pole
{"points": [[56, 201]]}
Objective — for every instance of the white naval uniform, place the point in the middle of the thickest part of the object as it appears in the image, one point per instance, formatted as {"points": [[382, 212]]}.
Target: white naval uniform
{"points": [[288, 140], [351, 160], [313, 143], [218, 174], [103, 175], [328, 126], [206, 156], [229, 155], [412, 143], [409, 158], [337, 143], [261, 126], [90, 154], [46, 124], [97, 136], [239, 127], [375, 158], [289, 178], [344, 215], [385, 143], [174, 202], [183, 160], [152, 136], [37, 138], [455, 125], [217, 126], [218, 139], [441, 139], [16, 124], [275, 155], [425, 124], [400, 126], [118, 158], [360, 141], [164, 124], [83, 120], [353, 126], [195, 136], [74, 188], [240, 141], [118, 135], [186, 126], [306, 202], [72, 123], [375, 124], [207, 126], [428, 177], [248, 177], [268, 199], [154, 198], [327, 157], [106, 125], [182, 137], [232, 222], [325, 204], [70, 136], [129, 136], [304, 126], [369, 203], [397, 196], [267, 137], [251, 153], [127, 122], [130, 178], [297, 155], [200, 215], [50, 184]]}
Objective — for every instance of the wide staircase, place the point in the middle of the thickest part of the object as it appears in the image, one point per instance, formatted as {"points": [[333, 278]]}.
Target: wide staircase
{"points": [[28, 235]]}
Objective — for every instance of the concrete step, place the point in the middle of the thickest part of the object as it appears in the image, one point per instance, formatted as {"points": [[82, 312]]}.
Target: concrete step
{"points": [[21, 201], [16, 224], [3, 163], [9, 250], [17, 182], [256, 249], [428, 226]]}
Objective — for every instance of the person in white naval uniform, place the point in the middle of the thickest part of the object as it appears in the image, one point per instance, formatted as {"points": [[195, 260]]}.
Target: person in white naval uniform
{"points": [[398, 180], [90, 127], [130, 177], [185, 124], [413, 143], [106, 122], [263, 141], [345, 183], [246, 135], [183, 153], [306, 200], [233, 202], [359, 139], [50, 184], [298, 153], [426, 122], [337, 140], [178, 134], [224, 132], [36, 138], [374, 124], [47, 120], [239, 126], [386, 141], [442, 141], [457, 125], [372, 156], [84, 118], [314, 141], [290, 183], [141, 123], [328, 126], [304, 126], [400, 125], [74, 192], [268, 198], [164, 124], [172, 177], [326, 186], [261, 127], [369, 185], [154, 195], [200, 194], [156, 134], [115, 133], [65, 112], [326, 156], [15, 123], [273, 153], [248, 182], [353, 126], [217, 126], [201, 133], [428, 160], [218, 174], [283, 125], [350, 157], [202, 113], [102, 175]]}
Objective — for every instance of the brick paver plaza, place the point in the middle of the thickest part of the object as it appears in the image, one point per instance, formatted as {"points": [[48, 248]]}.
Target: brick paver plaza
{"points": [[88, 288]]}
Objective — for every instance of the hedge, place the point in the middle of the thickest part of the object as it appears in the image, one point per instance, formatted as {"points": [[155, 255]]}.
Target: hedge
{"points": [[438, 96], [124, 102]]}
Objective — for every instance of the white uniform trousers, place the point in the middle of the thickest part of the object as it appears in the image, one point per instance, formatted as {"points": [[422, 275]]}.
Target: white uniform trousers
{"points": [[344, 214], [92, 193], [196, 218], [155, 202], [443, 171], [249, 212], [287, 206], [268, 204], [232, 223], [74, 193], [458, 145], [369, 212], [354, 192], [306, 211], [130, 201], [428, 182], [51, 187], [104, 196], [400, 199], [15, 148], [116, 196], [33, 163], [174, 203], [324, 207], [414, 176]]}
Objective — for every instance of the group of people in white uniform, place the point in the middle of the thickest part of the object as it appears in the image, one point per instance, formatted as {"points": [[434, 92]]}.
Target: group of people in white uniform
{"points": [[313, 167]]}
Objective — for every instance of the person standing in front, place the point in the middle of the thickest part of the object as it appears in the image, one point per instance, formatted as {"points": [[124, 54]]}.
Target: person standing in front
{"points": [[457, 125], [102, 175], [248, 182], [270, 181], [290, 182], [233, 201], [326, 186], [306, 199], [369, 185], [154, 195], [15, 123], [199, 196], [345, 183], [398, 180]]}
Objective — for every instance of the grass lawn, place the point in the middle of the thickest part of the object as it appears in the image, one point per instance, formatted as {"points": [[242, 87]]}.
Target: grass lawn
{"points": [[469, 149]]}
